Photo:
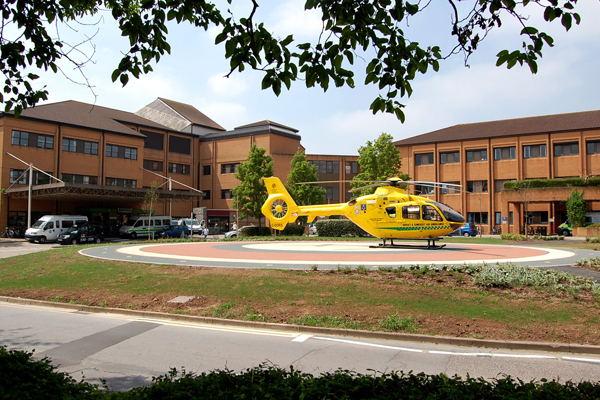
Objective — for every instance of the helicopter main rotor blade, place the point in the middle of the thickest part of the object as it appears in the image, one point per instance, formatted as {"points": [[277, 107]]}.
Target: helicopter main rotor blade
{"points": [[367, 186]]}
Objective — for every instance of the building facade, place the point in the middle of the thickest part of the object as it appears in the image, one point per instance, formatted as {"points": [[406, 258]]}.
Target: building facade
{"points": [[101, 162], [482, 156]]}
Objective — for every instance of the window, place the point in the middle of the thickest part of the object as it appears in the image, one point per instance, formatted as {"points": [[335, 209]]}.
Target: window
{"points": [[391, 212], [476, 155], [229, 168], [537, 217], [19, 176], [153, 140], [89, 180], [593, 147], [110, 182], [566, 149], [423, 189], [69, 145], [351, 167], [45, 142], [206, 170], [497, 218], [179, 145], [450, 189], [179, 169], [40, 178], [333, 193], [130, 153], [152, 165], [499, 184], [536, 151], [90, 148], [431, 214], [226, 194], [112, 151], [477, 186], [20, 138], [67, 178], [424, 159], [129, 183], [206, 194], [505, 153], [411, 212], [449, 157], [478, 218]]}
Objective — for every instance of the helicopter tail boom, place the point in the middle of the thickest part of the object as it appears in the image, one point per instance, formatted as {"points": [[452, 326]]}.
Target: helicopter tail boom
{"points": [[281, 209]]}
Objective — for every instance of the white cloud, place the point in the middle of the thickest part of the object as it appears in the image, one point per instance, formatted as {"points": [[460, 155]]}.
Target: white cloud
{"points": [[290, 17], [233, 86], [228, 115]]}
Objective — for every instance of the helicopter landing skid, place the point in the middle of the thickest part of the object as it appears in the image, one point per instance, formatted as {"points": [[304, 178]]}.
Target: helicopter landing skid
{"points": [[430, 245]]}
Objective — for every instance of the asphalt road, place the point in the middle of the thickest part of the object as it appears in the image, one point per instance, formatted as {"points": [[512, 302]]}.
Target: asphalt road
{"points": [[127, 351]]}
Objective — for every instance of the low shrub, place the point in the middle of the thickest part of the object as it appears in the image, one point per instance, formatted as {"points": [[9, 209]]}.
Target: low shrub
{"points": [[513, 236], [592, 239], [339, 228], [293, 230]]}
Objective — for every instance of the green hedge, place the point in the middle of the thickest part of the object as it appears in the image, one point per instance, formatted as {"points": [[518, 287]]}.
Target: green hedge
{"points": [[545, 183], [21, 377], [339, 228], [293, 230]]}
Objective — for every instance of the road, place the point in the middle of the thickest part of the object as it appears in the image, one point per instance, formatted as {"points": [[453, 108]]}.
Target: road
{"points": [[127, 351]]}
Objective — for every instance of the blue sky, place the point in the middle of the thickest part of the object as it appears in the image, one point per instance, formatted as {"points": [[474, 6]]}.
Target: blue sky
{"points": [[339, 121]]}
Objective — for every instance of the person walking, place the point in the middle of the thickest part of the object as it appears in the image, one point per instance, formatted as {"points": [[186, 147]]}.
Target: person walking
{"points": [[205, 232]]}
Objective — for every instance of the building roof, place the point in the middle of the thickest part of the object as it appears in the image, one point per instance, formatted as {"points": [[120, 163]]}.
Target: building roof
{"points": [[192, 114], [256, 128], [75, 113], [511, 127]]}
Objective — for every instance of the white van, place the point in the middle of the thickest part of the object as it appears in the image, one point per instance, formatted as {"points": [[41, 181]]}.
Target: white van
{"points": [[193, 225], [140, 226], [49, 227]]}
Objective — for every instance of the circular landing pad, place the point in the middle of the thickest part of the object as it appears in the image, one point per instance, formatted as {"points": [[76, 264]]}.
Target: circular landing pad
{"points": [[304, 255]]}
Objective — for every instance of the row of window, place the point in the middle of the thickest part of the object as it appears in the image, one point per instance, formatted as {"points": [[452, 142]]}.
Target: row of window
{"points": [[22, 177], [509, 153], [472, 187]]}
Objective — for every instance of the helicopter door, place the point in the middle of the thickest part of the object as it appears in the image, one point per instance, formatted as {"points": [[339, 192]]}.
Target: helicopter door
{"points": [[412, 218]]}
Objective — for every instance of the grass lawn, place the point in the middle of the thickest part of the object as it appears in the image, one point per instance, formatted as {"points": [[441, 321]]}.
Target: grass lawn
{"points": [[420, 301]]}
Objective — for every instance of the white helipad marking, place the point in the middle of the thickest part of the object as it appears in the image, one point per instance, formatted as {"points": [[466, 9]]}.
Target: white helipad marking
{"points": [[550, 254]]}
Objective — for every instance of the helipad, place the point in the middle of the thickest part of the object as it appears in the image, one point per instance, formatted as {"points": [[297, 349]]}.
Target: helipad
{"points": [[304, 255]]}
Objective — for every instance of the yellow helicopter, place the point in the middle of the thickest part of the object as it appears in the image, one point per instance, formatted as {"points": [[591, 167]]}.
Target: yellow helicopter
{"points": [[390, 213]]}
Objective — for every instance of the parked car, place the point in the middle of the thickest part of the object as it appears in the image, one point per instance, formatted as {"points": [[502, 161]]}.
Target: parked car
{"points": [[175, 231], [468, 230], [193, 225], [89, 232], [232, 234]]}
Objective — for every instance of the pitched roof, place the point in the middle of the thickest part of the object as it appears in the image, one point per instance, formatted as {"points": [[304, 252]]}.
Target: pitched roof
{"points": [[75, 113], [257, 128], [192, 114], [510, 127]]}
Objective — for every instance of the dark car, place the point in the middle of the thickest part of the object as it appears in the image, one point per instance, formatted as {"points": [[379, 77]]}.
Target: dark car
{"points": [[468, 230], [89, 232], [175, 231]]}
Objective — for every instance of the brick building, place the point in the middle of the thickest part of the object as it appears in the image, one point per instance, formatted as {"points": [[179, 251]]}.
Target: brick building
{"points": [[106, 159], [482, 156]]}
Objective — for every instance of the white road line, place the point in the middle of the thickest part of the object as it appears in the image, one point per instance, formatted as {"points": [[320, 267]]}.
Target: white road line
{"points": [[302, 338], [455, 353]]}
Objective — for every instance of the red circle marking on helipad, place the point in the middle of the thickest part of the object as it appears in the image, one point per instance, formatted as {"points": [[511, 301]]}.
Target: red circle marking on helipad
{"points": [[319, 252]]}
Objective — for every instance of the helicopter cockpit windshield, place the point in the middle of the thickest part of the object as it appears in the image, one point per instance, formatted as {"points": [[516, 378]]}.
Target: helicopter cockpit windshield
{"points": [[449, 214]]}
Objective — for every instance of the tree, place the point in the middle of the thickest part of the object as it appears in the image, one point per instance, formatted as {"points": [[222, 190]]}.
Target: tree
{"points": [[150, 199], [365, 29], [379, 161], [251, 193], [576, 208], [302, 171]]}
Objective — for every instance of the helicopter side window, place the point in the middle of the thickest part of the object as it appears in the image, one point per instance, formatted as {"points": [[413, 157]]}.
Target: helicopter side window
{"points": [[391, 211], [431, 214], [411, 212]]}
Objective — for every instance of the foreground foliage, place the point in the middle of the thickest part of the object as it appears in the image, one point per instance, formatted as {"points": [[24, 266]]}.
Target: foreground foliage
{"points": [[22, 377], [361, 29]]}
